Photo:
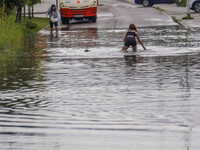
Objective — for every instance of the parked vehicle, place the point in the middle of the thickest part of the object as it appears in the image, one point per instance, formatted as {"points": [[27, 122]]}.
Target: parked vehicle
{"points": [[147, 3], [195, 5], [78, 10]]}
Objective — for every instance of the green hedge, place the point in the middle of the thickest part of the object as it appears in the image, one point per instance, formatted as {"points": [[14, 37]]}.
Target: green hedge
{"points": [[36, 24], [31, 25]]}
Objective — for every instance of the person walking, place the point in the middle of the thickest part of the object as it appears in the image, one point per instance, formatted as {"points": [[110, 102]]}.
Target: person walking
{"points": [[54, 18], [130, 39]]}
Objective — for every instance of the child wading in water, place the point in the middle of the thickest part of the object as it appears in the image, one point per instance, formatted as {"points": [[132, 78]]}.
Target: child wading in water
{"points": [[54, 18], [129, 39]]}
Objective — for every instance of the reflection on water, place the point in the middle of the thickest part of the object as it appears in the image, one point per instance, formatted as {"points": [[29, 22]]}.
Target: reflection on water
{"points": [[53, 95], [77, 38], [20, 66]]}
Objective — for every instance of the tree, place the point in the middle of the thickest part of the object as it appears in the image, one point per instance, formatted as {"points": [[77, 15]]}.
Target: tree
{"points": [[17, 4], [31, 5]]}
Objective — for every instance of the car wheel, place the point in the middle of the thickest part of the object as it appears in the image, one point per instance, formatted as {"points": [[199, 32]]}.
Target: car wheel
{"points": [[146, 3], [197, 7]]}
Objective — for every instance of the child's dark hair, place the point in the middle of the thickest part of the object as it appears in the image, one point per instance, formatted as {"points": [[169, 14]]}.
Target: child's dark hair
{"points": [[53, 5], [132, 27]]}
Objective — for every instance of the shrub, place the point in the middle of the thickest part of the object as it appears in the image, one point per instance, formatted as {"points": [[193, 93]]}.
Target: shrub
{"points": [[183, 3], [31, 25]]}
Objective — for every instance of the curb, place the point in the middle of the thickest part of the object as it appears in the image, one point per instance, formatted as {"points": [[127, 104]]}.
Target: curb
{"points": [[173, 17], [158, 8], [179, 22], [44, 28]]}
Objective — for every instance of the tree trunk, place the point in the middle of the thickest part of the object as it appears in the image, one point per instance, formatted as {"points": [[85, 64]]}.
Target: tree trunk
{"points": [[4, 8], [24, 12], [32, 12], [29, 12], [19, 14]]}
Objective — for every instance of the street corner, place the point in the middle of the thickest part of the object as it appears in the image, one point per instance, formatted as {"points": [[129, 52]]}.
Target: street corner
{"points": [[180, 15]]}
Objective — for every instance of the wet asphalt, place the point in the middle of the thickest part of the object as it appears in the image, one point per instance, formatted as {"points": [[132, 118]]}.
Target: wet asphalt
{"points": [[55, 95], [114, 14]]}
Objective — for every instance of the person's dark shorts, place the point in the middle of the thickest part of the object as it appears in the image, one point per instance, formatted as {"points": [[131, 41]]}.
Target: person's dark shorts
{"points": [[130, 43], [55, 24]]}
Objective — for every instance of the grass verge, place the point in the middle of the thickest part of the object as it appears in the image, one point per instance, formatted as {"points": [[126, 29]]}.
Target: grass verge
{"points": [[11, 33], [36, 24], [160, 9], [187, 17], [175, 20], [179, 22]]}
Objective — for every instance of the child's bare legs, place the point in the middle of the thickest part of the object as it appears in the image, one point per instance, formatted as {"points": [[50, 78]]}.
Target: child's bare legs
{"points": [[51, 32], [56, 31], [56, 27], [134, 48], [124, 48]]}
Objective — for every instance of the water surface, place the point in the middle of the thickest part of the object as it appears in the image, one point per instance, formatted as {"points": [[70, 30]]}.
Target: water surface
{"points": [[55, 96]]}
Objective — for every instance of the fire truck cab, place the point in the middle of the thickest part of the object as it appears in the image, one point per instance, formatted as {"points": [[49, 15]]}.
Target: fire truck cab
{"points": [[78, 10]]}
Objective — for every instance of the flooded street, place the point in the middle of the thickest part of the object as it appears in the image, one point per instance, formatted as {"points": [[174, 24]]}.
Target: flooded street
{"points": [[56, 96]]}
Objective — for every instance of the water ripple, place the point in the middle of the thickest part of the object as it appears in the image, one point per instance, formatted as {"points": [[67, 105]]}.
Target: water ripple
{"points": [[65, 98]]}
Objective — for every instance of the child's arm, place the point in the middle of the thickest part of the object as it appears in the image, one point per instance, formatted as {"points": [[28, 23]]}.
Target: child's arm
{"points": [[124, 38], [48, 13], [140, 41]]}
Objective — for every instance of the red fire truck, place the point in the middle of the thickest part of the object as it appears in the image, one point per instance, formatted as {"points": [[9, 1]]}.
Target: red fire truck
{"points": [[78, 10]]}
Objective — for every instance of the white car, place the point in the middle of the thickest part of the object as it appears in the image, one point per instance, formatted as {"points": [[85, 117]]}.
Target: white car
{"points": [[195, 5]]}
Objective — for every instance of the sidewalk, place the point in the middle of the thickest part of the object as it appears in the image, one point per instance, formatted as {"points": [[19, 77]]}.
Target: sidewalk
{"points": [[180, 12], [41, 9]]}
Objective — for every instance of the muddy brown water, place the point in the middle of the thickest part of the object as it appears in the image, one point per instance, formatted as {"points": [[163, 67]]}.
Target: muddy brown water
{"points": [[56, 96]]}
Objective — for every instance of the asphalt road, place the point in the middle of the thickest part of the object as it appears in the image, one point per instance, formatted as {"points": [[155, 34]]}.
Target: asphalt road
{"points": [[120, 13]]}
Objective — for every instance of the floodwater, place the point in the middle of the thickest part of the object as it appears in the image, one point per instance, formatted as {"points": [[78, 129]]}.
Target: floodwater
{"points": [[56, 96]]}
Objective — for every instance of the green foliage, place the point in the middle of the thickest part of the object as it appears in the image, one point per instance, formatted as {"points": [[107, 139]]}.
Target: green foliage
{"points": [[33, 2], [11, 4], [175, 20], [160, 9], [36, 24], [10, 31], [182, 4], [187, 17], [31, 25]]}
